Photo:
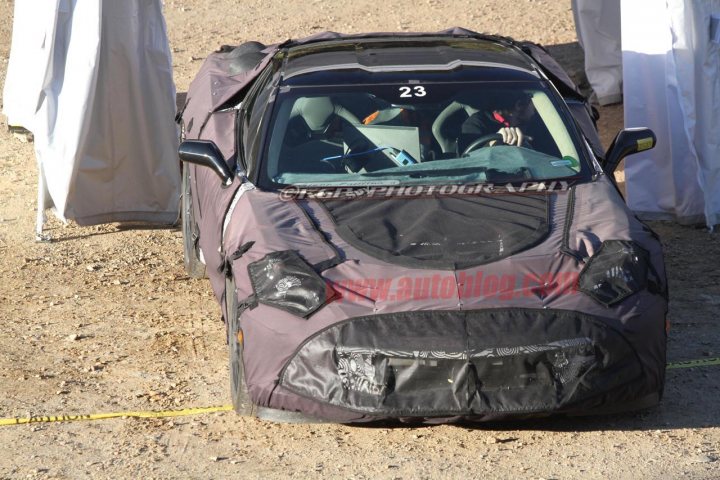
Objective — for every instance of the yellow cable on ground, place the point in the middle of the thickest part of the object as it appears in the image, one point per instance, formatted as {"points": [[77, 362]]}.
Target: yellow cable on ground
{"points": [[105, 416], [705, 362]]}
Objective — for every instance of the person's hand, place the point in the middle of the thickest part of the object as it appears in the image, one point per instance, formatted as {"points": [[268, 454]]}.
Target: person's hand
{"points": [[511, 136]]}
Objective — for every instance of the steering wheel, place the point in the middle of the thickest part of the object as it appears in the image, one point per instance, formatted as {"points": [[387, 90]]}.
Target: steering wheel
{"points": [[352, 162], [326, 166], [483, 142], [357, 158]]}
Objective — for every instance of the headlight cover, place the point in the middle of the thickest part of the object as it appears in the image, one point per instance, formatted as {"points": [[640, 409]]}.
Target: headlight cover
{"points": [[285, 281], [616, 271]]}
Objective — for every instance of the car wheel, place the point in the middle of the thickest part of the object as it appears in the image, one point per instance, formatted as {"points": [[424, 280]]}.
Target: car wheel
{"points": [[194, 266], [240, 396]]}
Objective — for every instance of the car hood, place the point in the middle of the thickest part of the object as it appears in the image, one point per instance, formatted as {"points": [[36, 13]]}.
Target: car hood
{"points": [[429, 234], [476, 251], [441, 232]]}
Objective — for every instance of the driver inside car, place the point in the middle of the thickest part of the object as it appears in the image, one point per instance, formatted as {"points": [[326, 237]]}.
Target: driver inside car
{"points": [[509, 118]]}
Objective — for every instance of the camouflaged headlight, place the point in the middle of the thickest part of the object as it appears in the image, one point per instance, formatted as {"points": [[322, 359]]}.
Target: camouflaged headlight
{"points": [[616, 271], [285, 281]]}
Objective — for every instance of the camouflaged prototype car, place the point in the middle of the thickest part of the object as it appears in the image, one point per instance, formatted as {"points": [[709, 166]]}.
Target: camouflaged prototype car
{"points": [[379, 252]]}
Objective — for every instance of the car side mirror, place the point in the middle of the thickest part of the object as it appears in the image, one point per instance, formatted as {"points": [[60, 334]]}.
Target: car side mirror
{"points": [[627, 142], [206, 154]]}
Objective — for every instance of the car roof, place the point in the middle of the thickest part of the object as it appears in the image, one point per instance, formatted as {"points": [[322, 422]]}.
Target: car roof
{"points": [[392, 53]]}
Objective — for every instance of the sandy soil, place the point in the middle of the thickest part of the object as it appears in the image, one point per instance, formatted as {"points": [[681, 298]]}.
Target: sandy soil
{"points": [[104, 319]]}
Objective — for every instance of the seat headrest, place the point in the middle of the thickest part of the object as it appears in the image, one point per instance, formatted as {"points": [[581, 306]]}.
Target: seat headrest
{"points": [[316, 111]]}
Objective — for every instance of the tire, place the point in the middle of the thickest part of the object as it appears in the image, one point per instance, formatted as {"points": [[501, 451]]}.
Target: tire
{"points": [[238, 388], [194, 266]]}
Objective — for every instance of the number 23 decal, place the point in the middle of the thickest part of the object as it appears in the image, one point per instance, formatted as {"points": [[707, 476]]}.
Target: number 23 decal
{"points": [[408, 92]]}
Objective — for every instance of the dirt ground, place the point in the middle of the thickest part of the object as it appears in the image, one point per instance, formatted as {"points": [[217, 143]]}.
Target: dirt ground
{"points": [[104, 319]]}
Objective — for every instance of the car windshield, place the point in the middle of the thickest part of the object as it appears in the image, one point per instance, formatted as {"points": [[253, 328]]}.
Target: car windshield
{"points": [[425, 131]]}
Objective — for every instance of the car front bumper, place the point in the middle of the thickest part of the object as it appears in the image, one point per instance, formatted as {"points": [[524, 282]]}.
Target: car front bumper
{"points": [[467, 364]]}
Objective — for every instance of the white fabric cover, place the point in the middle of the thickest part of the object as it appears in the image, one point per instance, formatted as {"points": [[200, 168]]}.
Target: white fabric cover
{"points": [[597, 23], [672, 85], [28, 62], [105, 136]]}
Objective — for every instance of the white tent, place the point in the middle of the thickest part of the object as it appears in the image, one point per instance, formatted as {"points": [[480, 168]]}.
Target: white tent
{"points": [[597, 23], [103, 111], [28, 63], [672, 85]]}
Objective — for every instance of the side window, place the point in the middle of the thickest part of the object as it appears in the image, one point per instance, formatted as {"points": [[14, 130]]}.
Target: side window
{"points": [[253, 112]]}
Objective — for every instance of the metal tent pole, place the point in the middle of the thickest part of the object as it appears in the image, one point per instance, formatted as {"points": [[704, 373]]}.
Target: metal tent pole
{"points": [[40, 218]]}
